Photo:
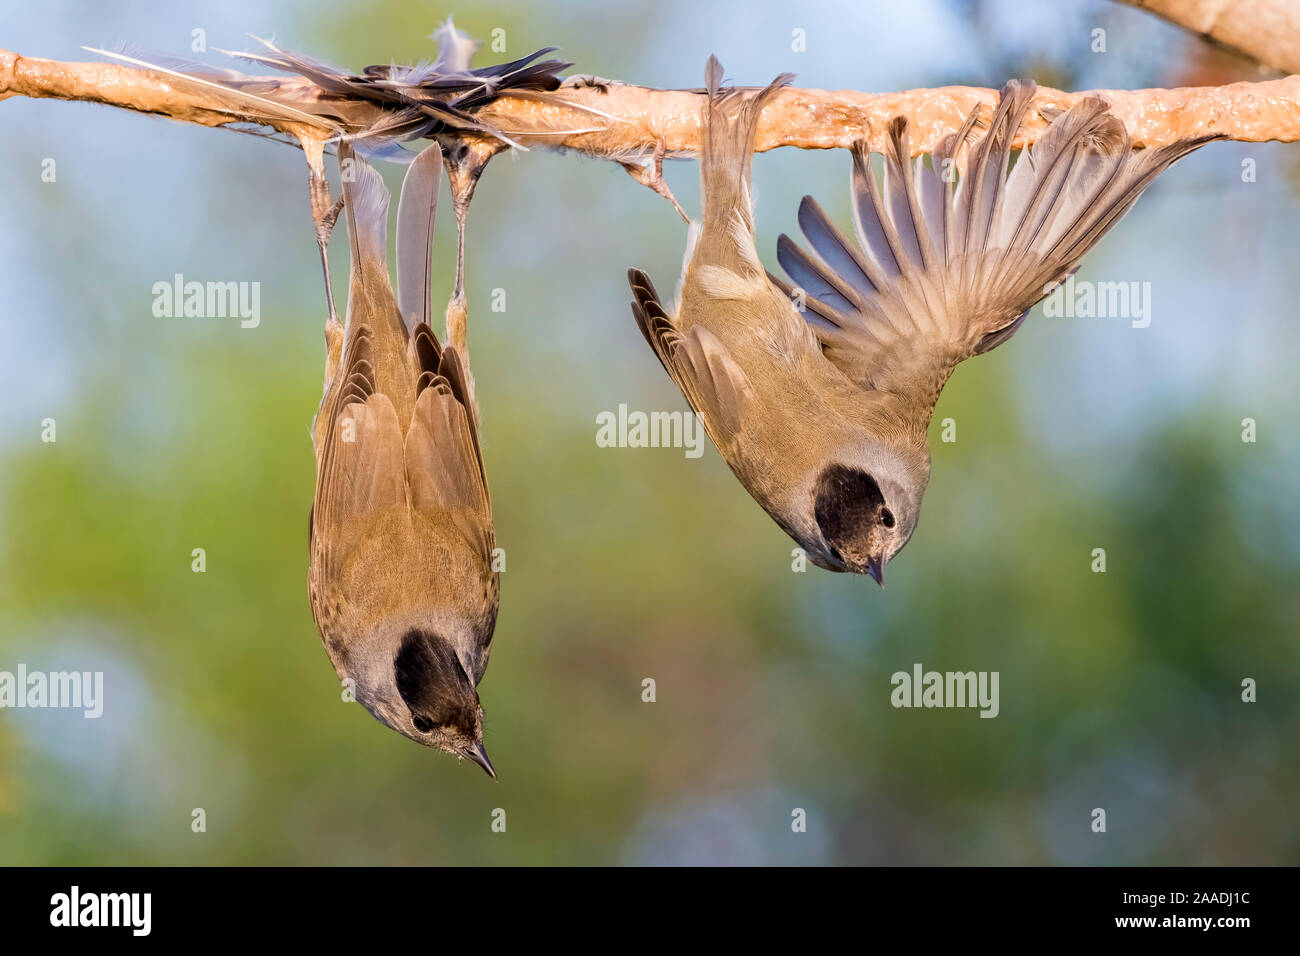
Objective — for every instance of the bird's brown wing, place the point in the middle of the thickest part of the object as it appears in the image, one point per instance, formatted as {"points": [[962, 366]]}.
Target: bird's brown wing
{"points": [[942, 272], [448, 492], [714, 385], [360, 473], [444, 464], [443, 460]]}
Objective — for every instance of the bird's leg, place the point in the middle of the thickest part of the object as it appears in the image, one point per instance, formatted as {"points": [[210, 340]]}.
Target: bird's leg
{"points": [[324, 228], [333, 327], [324, 214], [465, 161], [651, 174]]}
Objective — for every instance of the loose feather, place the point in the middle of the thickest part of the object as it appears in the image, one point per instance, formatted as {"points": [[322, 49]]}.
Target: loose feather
{"points": [[416, 209], [381, 106]]}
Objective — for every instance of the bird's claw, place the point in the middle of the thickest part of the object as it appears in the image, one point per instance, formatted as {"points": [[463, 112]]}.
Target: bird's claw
{"points": [[580, 81], [651, 174], [324, 214], [328, 220]]}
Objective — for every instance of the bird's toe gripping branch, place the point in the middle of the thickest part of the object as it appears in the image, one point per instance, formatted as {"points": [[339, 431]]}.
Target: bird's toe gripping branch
{"points": [[584, 81], [324, 214], [465, 159], [651, 174]]}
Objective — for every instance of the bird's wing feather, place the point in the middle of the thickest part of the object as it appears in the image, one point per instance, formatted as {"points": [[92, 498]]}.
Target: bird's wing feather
{"points": [[447, 487], [360, 473], [942, 272], [714, 385], [444, 463]]}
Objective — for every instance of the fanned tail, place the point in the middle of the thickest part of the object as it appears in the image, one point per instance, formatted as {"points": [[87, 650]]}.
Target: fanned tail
{"points": [[727, 150]]}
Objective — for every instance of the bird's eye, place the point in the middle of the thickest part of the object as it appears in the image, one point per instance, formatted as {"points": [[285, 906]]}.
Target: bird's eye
{"points": [[422, 724], [887, 518]]}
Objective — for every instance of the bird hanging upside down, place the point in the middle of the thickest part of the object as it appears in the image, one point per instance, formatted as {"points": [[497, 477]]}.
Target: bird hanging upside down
{"points": [[401, 583], [822, 414]]}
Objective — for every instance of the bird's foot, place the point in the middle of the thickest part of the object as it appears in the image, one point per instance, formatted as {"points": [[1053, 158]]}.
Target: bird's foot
{"points": [[651, 174], [324, 214], [582, 81]]}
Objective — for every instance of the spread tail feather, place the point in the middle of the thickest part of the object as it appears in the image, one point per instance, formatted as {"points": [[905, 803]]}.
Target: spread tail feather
{"points": [[727, 147], [366, 204]]}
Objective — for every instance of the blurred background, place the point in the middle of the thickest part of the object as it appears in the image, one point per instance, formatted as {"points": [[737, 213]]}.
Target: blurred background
{"points": [[1119, 690]]}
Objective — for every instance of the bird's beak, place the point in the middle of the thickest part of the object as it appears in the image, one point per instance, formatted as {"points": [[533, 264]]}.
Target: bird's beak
{"points": [[876, 568], [478, 754]]}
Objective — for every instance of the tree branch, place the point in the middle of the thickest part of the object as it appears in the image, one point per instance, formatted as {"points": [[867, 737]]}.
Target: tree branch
{"points": [[145, 91], [1265, 30], [643, 117]]}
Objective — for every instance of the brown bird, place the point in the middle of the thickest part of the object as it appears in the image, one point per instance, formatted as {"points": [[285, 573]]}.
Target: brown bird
{"points": [[401, 582], [822, 413]]}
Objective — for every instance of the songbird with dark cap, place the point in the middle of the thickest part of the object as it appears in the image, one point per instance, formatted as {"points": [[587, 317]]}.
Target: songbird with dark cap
{"points": [[402, 583], [821, 408]]}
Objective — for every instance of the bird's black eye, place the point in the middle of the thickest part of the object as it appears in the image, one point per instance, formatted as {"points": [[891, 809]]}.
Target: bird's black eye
{"points": [[887, 518], [422, 724]]}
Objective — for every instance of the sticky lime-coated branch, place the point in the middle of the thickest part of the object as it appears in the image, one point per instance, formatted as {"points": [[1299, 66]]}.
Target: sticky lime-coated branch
{"points": [[642, 117]]}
